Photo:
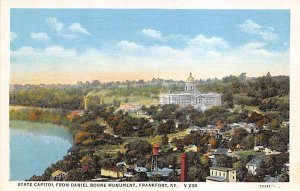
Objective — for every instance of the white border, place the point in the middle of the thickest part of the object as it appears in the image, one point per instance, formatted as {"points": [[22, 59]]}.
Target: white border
{"points": [[292, 5]]}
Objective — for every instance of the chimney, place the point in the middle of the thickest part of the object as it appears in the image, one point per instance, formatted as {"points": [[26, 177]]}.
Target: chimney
{"points": [[183, 175]]}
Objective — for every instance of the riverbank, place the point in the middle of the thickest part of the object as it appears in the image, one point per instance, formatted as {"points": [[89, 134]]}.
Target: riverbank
{"points": [[43, 115]]}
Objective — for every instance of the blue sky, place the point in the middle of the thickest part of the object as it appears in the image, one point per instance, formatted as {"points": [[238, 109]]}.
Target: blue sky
{"points": [[70, 45]]}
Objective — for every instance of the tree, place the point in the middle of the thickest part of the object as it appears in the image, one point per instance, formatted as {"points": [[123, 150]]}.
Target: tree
{"points": [[178, 143], [241, 169], [140, 177], [252, 178], [173, 176], [248, 142], [274, 124], [262, 138], [165, 140], [213, 143], [75, 175], [285, 177], [81, 136], [157, 178], [196, 174], [228, 99], [137, 150], [280, 140], [224, 161], [167, 127], [238, 135]]}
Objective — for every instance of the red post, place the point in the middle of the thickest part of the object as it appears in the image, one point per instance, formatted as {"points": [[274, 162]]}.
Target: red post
{"points": [[183, 175]]}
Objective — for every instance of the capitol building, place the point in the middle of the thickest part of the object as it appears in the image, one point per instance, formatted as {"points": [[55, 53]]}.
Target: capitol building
{"points": [[191, 96]]}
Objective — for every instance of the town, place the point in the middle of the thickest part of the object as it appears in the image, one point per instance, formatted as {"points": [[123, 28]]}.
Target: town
{"points": [[231, 130]]}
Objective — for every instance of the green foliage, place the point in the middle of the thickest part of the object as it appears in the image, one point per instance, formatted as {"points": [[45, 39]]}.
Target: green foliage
{"points": [[198, 169], [40, 115], [224, 161], [280, 140], [140, 177], [47, 98], [238, 135]]}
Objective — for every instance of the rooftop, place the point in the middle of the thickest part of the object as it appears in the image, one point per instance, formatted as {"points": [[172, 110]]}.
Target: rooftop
{"points": [[111, 168], [56, 173], [222, 151], [190, 78], [220, 168], [216, 178]]}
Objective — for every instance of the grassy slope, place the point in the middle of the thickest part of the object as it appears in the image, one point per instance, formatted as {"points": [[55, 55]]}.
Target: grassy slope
{"points": [[147, 101]]}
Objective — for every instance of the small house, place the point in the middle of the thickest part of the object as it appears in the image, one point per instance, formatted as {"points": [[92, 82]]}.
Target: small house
{"points": [[192, 148], [140, 169], [223, 151], [58, 176], [192, 128], [254, 164], [112, 171]]}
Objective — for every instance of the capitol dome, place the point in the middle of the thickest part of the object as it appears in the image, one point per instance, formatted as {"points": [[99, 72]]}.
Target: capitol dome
{"points": [[190, 78]]}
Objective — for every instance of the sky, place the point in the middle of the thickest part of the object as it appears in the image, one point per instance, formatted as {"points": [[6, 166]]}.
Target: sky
{"points": [[71, 45]]}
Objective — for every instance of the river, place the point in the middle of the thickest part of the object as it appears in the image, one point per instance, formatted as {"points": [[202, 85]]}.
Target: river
{"points": [[34, 147]]}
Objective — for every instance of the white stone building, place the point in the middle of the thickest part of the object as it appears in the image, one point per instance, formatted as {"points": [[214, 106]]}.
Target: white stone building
{"points": [[191, 96]]}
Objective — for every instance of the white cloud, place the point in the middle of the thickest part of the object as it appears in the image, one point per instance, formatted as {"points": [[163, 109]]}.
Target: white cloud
{"points": [[265, 32], [13, 36], [152, 33], [70, 32], [254, 45], [76, 27], [41, 37], [206, 56], [203, 41], [131, 46], [55, 23]]}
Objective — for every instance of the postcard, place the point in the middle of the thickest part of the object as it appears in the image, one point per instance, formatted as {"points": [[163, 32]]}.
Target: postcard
{"points": [[145, 95]]}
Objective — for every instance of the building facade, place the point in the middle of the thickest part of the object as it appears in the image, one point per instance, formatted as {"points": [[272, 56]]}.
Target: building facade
{"points": [[221, 174], [191, 96], [58, 176], [112, 171]]}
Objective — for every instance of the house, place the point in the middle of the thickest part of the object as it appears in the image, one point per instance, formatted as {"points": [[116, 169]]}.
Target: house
{"points": [[221, 174], [219, 127], [130, 167], [259, 148], [112, 171], [286, 168], [140, 169], [164, 172], [254, 164], [268, 151], [73, 114], [223, 151], [58, 176], [269, 178], [286, 123], [192, 128], [130, 107], [192, 148]]}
